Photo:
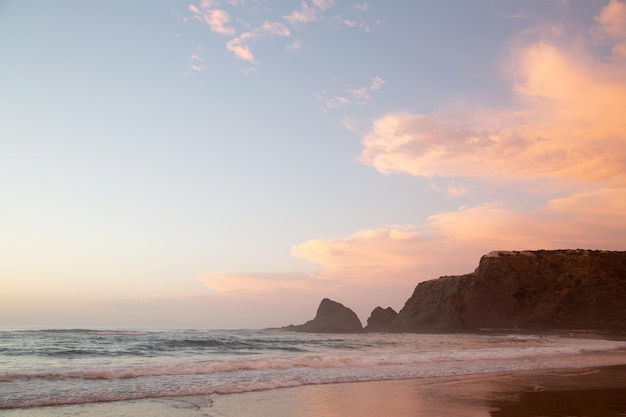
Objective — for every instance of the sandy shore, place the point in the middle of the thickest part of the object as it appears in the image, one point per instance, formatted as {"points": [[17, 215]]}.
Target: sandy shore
{"points": [[572, 392]]}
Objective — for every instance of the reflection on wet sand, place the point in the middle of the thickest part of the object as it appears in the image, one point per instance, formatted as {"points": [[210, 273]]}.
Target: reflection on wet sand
{"points": [[589, 403], [571, 392]]}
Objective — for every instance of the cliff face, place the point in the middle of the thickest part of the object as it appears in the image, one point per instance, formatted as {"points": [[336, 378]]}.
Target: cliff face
{"points": [[331, 317], [562, 289], [380, 319]]}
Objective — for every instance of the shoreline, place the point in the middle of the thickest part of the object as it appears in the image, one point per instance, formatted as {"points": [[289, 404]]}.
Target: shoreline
{"points": [[588, 391], [592, 388]]}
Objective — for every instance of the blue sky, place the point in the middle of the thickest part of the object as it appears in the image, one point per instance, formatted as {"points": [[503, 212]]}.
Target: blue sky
{"points": [[230, 163]]}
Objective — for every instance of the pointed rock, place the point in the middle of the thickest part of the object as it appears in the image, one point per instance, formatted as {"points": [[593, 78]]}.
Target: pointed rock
{"points": [[331, 317], [380, 319]]}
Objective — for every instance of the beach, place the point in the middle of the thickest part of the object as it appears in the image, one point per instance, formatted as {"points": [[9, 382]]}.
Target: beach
{"points": [[567, 392], [250, 373], [595, 391]]}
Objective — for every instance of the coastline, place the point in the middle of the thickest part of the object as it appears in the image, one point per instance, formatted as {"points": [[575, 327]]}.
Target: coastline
{"points": [[588, 391], [593, 385], [593, 391]]}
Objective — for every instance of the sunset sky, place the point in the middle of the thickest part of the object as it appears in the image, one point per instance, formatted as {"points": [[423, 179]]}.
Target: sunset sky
{"points": [[229, 163]]}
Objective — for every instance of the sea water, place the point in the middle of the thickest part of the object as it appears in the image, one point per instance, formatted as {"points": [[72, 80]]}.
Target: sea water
{"points": [[41, 367]]}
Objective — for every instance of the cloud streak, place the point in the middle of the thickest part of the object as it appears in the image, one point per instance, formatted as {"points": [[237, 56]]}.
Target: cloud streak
{"points": [[219, 20], [569, 124], [452, 242], [259, 283], [361, 95], [239, 45], [309, 12], [612, 27]]}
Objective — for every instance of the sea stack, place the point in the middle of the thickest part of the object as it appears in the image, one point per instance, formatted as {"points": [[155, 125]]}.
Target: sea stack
{"points": [[331, 317], [380, 319]]}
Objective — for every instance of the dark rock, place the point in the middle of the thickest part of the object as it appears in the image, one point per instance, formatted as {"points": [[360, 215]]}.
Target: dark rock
{"points": [[331, 317], [433, 306], [380, 319], [535, 290]]}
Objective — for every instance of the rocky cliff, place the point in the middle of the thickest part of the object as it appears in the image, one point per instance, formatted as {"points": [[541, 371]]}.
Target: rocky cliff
{"points": [[331, 317], [560, 289], [380, 319]]}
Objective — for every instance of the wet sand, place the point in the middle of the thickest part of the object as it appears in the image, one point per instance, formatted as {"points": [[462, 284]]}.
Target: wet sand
{"points": [[571, 392], [590, 392]]}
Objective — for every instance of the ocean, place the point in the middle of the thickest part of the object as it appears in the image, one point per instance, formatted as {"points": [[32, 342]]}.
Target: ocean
{"points": [[44, 367]]}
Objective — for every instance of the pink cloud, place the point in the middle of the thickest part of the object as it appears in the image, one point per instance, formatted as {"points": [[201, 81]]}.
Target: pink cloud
{"points": [[308, 12], [323, 4], [612, 27], [197, 68], [241, 51], [239, 46], [452, 242], [295, 45], [337, 101], [377, 83], [390, 256], [363, 7], [360, 93], [612, 20], [451, 190], [259, 283], [304, 15], [568, 124], [217, 19]]}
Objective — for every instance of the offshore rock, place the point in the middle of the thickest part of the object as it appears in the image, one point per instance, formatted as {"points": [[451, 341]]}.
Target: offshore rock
{"points": [[380, 319], [331, 317], [534, 290]]}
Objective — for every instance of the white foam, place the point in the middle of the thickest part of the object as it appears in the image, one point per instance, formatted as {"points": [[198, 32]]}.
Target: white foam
{"points": [[387, 357]]}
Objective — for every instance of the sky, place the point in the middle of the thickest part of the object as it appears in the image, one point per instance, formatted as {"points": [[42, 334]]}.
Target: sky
{"points": [[229, 163]]}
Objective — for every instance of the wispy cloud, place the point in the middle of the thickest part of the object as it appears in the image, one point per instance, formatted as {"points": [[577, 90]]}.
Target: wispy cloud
{"points": [[306, 14], [364, 6], [239, 45], [323, 4], [612, 27], [217, 19], [365, 257], [309, 12], [386, 256], [452, 242], [363, 94], [360, 95], [195, 64], [612, 20], [451, 190], [377, 83], [259, 283], [337, 101], [294, 45]]}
